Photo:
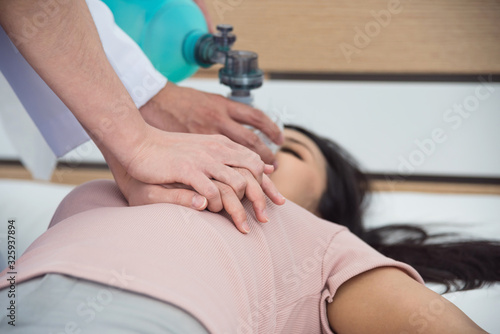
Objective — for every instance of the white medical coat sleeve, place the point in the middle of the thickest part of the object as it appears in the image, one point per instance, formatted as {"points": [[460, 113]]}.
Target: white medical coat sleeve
{"points": [[135, 70], [54, 121]]}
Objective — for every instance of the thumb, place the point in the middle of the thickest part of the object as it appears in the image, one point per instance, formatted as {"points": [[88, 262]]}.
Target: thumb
{"points": [[188, 198]]}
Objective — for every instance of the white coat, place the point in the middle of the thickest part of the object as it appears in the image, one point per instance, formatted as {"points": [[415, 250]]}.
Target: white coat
{"points": [[53, 120]]}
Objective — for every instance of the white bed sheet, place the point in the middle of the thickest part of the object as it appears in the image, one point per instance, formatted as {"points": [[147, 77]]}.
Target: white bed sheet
{"points": [[32, 204]]}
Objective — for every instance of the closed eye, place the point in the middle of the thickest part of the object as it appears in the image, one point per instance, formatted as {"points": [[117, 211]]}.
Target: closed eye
{"points": [[292, 152]]}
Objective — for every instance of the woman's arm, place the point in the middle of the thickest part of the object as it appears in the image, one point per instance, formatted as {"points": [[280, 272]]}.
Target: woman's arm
{"points": [[386, 300]]}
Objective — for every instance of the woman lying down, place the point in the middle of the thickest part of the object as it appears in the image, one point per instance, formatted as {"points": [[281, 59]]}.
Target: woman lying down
{"points": [[104, 267]]}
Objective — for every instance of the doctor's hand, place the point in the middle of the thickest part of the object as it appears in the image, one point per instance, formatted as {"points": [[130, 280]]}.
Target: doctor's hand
{"points": [[180, 109], [219, 170], [96, 96], [140, 193]]}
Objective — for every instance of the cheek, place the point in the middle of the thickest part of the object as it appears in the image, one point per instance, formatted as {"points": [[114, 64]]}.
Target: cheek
{"points": [[282, 176], [294, 180]]}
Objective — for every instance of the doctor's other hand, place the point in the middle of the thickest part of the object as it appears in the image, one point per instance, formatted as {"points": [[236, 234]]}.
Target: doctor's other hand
{"points": [[180, 109]]}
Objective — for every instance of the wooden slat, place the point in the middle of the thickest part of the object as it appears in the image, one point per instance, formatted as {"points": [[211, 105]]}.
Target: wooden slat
{"points": [[426, 36], [66, 175], [436, 187], [62, 175]]}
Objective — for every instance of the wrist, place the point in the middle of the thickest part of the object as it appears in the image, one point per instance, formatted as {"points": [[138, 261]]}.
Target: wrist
{"points": [[121, 134], [129, 142], [148, 111], [122, 178], [156, 111]]}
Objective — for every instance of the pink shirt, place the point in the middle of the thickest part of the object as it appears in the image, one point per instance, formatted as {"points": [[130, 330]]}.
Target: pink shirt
{"points": [[276, 279]]}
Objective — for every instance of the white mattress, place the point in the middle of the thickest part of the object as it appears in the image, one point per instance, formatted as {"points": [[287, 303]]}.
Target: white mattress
{"points": [[32, 204]]}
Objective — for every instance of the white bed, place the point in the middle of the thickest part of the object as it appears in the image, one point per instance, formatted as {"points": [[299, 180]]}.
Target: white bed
{"points": [[32, 204]]}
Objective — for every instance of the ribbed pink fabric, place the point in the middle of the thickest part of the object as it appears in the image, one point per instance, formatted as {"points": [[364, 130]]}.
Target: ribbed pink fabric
{"points": [[274, 280]]}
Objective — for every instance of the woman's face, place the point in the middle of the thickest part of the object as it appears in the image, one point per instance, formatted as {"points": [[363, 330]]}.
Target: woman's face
{"points": [[301, 174]]}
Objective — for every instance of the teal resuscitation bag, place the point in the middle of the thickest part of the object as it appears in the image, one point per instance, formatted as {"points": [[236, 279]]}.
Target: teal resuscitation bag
{"points": [[166, 30]]}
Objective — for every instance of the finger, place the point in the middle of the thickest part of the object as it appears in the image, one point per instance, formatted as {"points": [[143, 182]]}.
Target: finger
{"points": [[271, 191], [244, 136], [244, 158], [255, 194], [268, 169], [180, 194], [229, 176], [244, 114], [233, 206], [184, 197], [206, 188], [237, 155], [152, 194]]}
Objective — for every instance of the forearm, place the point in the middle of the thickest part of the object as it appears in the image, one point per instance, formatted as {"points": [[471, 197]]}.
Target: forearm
{"points": [[67, 53]]}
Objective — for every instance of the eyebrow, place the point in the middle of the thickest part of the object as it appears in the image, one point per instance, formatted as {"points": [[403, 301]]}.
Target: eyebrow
{"points": [[293, 140]]}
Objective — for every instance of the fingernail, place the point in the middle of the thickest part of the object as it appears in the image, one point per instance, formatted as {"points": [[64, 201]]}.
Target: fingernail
{"points": [[266, 217], [282, 197], [268, 169], [245, 227], [199, 202]]}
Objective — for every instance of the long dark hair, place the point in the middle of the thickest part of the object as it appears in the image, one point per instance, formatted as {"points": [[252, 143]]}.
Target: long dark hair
{"points": [[459, 265]]}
